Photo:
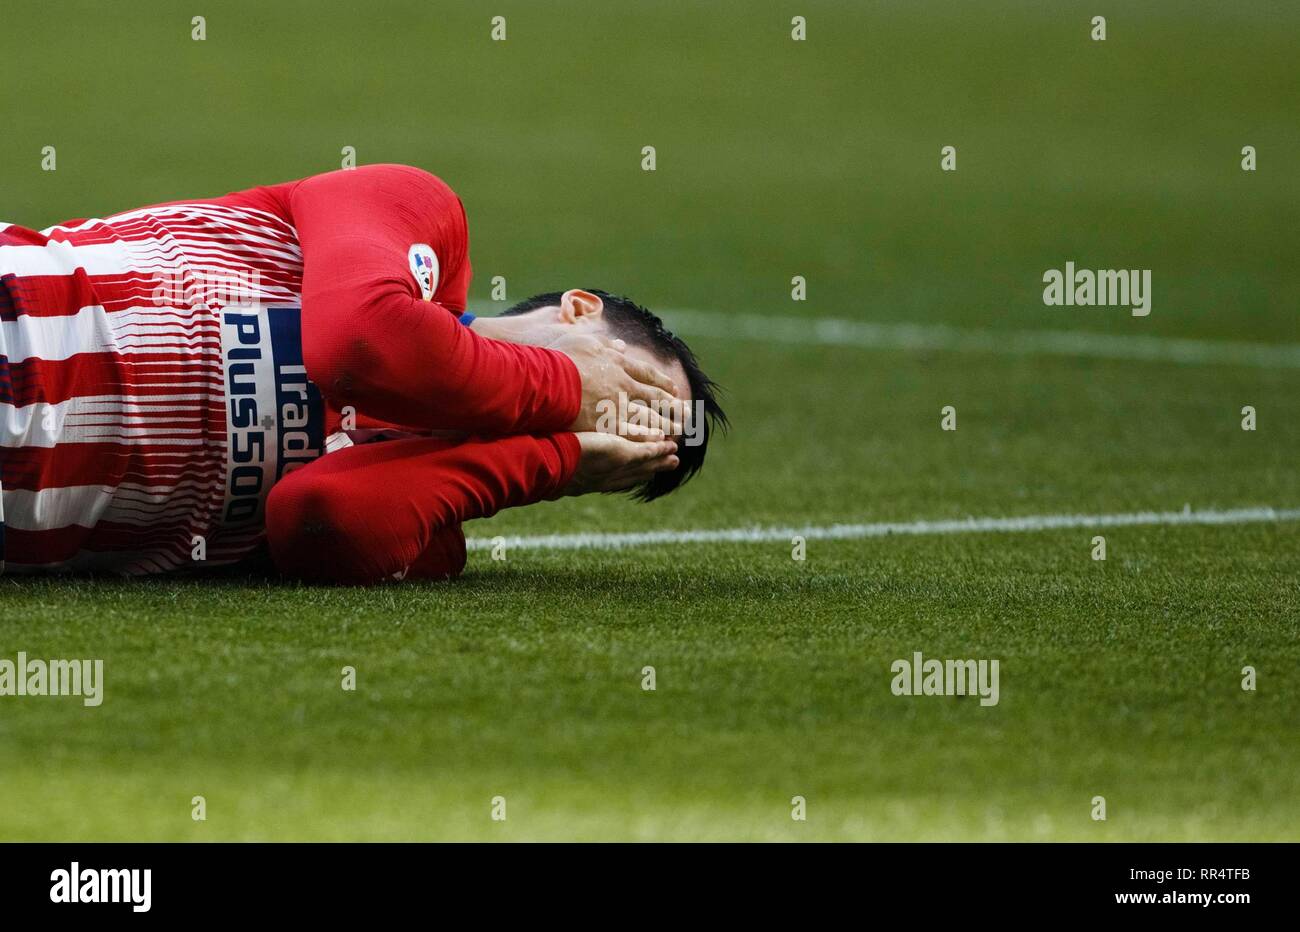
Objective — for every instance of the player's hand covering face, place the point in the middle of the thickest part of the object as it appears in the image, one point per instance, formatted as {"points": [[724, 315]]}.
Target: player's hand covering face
{"points": [[610, 463], [652, 411]]}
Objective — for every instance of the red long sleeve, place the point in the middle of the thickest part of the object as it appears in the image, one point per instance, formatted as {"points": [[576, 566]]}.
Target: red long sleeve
{"points": [[393, 509], [374, 339]]}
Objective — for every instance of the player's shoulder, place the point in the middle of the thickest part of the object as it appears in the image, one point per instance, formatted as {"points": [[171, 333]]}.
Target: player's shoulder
{"points": [[397, 175]]}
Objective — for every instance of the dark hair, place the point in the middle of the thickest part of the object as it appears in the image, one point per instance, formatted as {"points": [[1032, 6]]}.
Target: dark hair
{"points": [[639, 327]]}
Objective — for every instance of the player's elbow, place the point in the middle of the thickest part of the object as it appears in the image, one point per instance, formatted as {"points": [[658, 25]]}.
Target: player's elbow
{"points": [[313, 535], [354, 337], [340, 362]]}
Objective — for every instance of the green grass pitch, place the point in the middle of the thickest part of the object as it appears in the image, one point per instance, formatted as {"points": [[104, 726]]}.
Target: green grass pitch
{"points": [[776, 158]]}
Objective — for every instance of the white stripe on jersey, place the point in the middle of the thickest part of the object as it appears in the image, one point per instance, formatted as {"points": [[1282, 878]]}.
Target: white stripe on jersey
{"points": [[94, 330], [88, 504], [159, 256], [189, 240], [57, 258], [55, 338], [34, 511], [105, 419]]}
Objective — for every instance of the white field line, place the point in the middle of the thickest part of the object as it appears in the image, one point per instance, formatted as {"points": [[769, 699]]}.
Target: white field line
{"points": [[758, 535], [831, 331]]}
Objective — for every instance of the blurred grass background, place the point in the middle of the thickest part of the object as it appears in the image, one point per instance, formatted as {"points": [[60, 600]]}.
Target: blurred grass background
{"points": [[776, 157]]}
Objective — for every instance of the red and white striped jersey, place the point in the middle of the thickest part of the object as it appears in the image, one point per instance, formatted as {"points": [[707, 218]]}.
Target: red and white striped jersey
{"points": [[154, 365], [152, 387]]}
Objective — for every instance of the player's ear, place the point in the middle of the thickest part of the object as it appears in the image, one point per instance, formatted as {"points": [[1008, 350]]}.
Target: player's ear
{"points": [[576, 304]]}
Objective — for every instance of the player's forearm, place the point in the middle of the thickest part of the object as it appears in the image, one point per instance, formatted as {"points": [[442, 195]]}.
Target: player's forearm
{"points": [[411, 362], [392, 509]]}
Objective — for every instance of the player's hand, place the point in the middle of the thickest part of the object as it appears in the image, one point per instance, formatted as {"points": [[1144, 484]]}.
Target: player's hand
{"points": [[610, 463], [652, 411]]}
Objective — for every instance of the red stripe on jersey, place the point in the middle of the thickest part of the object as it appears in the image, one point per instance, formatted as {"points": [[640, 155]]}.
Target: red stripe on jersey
{"points": [[56, 545], [139, 376], [49, 295], [186, 295], [69, 464]]}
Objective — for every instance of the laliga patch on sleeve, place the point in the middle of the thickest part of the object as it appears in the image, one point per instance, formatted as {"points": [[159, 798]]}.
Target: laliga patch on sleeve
{"points": [[424, 266]]}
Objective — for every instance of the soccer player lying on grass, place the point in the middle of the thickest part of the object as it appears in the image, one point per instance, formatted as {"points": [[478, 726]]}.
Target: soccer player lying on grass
{"points": [[342, 406]]}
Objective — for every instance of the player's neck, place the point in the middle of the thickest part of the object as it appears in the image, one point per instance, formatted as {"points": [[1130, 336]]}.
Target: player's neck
{"points": [[510, 329]]}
